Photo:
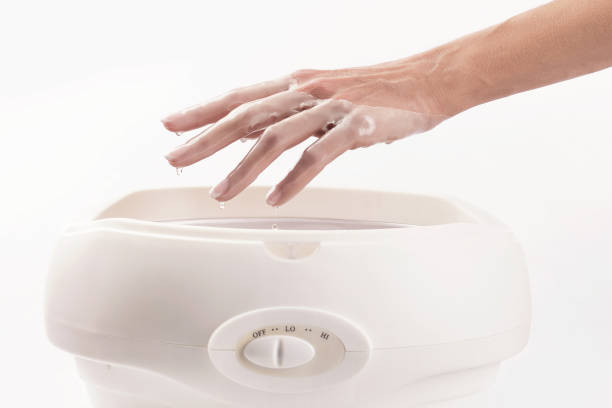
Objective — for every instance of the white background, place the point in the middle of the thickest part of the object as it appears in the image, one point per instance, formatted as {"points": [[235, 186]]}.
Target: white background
{"points": [[84, 84]]}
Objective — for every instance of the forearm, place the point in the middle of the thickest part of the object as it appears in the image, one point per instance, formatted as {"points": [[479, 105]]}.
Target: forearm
{"points": [[358, 107], [552, 43]]}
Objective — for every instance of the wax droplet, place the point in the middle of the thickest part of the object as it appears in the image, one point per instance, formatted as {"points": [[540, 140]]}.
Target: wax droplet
{"points": [[179, 171], [179, 133], [243, 139], [274, 226], [222, 205]]}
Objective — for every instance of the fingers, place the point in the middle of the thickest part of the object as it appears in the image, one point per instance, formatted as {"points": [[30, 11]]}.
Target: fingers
{"points": [[241, 122], [200, 115], [313, 160], [362, 127], [274, 141]]}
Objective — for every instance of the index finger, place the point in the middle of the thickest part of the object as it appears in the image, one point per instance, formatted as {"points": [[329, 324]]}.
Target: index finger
{"points": [[200, 115]]}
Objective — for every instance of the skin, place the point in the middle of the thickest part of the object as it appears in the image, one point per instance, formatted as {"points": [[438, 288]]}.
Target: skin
{"points": [[356, 107]]}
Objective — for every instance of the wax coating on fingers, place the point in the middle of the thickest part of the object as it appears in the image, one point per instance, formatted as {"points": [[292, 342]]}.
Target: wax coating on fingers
{"points": [[199, 115], [241, 122], [278, 138], [362, 127], [345, 109]]}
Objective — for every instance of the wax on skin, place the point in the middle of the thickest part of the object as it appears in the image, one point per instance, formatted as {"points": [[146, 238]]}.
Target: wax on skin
{"points": [[284, 113], [358, 107]]}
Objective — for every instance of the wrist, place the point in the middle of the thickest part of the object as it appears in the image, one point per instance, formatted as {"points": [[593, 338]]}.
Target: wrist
{"points": [[456, 81]]}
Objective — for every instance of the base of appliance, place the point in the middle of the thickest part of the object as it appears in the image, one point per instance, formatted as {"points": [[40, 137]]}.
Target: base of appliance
{"points": [[482, 399], [124, 387]]}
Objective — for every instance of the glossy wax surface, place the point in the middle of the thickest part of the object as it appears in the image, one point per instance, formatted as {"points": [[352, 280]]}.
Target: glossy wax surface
{"points": [[286, 223]]}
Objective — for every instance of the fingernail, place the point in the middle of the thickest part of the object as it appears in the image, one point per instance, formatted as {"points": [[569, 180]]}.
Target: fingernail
{"points": [[171, 117], [273, 197], [219, 189], [175, 154]]}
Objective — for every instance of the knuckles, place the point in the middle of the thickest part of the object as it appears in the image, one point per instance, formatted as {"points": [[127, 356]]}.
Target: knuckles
{"points": [[241, 123], [322, 88], [270, 139], [232, 100], [310, 158]]}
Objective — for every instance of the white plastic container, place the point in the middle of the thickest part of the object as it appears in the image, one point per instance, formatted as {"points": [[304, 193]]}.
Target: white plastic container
{"points": [[393, 300]]}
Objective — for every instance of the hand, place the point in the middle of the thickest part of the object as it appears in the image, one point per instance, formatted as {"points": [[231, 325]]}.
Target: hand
{"points": [[358, 107], [345, 109]]}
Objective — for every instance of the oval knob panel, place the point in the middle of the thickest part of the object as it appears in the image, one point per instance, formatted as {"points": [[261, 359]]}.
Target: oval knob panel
{"points": [[279, 352]]}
